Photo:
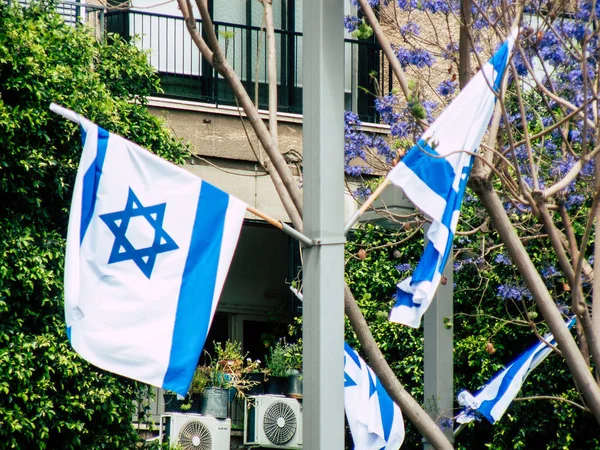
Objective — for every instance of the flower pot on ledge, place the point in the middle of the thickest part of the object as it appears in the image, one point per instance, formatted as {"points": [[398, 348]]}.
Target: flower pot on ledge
{"points": [[189, 404], [214, 402], [294, 385], [276, 385]]}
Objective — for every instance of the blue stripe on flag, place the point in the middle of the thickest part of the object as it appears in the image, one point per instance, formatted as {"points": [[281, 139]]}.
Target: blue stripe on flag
{"points": [[193, 315], [404, 299], [386, 406], [91, 180], [499, 60], [427, 265], [433, 171]]}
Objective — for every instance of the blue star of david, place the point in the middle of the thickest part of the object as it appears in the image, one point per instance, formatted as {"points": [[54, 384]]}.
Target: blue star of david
{"points": [[122, 249]]}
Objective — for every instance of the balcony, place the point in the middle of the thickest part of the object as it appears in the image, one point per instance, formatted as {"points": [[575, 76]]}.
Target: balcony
{"points": [[185, 75]]}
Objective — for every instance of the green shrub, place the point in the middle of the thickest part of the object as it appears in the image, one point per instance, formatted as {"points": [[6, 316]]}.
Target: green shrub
{"points": [[50, 397]]}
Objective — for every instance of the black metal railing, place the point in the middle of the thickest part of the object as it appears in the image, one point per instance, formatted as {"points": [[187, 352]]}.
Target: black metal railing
{"points": [[186, 75], [77, 13]]}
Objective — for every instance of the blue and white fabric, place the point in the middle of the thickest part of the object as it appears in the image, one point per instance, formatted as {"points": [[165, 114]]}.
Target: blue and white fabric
{"points": [[375, 420], [434, 176], [148, 249], [495, 397]]}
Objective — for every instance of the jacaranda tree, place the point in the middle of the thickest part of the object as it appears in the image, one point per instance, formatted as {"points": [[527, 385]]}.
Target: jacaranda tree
{"points": [[524, 257]]}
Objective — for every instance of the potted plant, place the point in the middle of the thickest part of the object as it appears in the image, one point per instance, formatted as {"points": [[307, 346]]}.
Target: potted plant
{"points": [[277, 369], [256, 377], [293, 357], [191, 402], [226, 373]]}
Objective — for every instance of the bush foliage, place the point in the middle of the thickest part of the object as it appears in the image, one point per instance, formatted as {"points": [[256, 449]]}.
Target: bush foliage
{"points": [[51, 398]]}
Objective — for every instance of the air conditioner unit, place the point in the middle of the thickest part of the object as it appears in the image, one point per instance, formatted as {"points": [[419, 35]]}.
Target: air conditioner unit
{"points": [[273, 421], [195, 431]]}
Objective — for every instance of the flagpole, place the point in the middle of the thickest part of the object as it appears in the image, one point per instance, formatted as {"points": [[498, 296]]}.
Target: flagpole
{"points": [[366, 205], [66, 113], [74, 117], [283, 227]]}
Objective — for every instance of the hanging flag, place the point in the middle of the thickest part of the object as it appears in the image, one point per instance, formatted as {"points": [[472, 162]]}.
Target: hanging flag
{"points": [[148, 249], [375, 420], [434, 176], [494, 398]]}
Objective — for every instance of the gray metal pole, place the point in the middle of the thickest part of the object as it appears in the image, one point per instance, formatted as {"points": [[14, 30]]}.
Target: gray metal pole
{"points": [[323, 143], [438, 357]]}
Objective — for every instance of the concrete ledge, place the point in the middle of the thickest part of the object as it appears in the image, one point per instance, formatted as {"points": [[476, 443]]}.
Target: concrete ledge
{"points": [[212, 108]]}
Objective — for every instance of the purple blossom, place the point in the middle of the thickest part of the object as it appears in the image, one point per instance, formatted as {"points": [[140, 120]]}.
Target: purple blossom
{"points": [[463, 240], [574, 135], [446, 423], [440, 6], [407, 4], [404, 267], [450, 51], [372, 3], [572, 29], [513, 292], [519, 64], [351, 23], [446, 87], [362, 192], [417, 57], [503, 258], [356, 142], [561, 167], [410, 28], [400, 129], [469, 261], [385, 107], [430, 107], [549, 271], [574, 200], [588, 169]]}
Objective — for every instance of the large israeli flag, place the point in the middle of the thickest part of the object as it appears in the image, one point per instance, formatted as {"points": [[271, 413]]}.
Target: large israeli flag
{"points": [[434, 176], [148, 249], [375, 420], [494, 398]]}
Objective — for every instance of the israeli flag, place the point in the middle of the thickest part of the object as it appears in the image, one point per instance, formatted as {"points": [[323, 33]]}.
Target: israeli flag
{"points": [[434, 176], [494, 398], [148, 249], [375, 420]]}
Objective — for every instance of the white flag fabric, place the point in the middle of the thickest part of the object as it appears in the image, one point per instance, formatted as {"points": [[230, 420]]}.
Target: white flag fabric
{"points": [[434, 176], [375, 420], [148, 249], [495, 397]]}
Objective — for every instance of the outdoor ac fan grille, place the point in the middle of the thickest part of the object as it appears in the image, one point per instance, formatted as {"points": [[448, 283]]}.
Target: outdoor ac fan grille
{"points": [[194, 435], [279, 423]]}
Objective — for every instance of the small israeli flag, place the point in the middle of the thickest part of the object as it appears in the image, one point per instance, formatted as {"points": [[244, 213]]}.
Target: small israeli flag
{"points": [[434, 177], [148, 249], [495, 397], [375, 420]]}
